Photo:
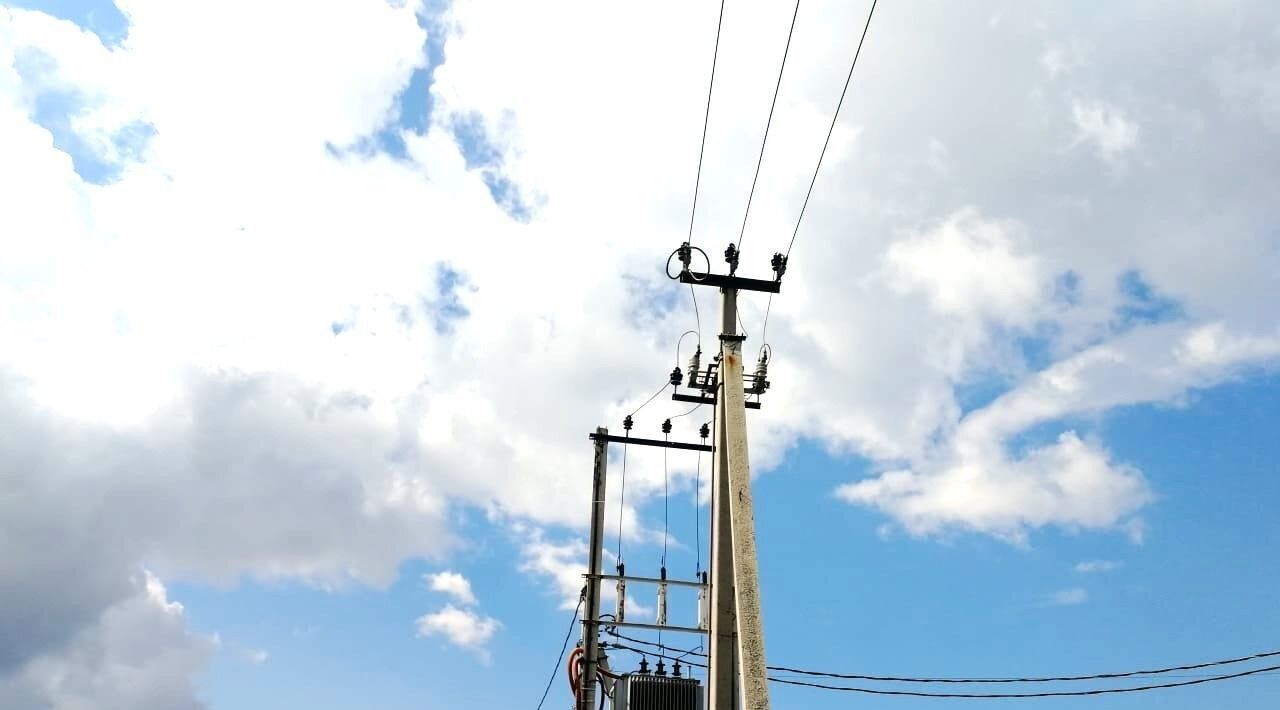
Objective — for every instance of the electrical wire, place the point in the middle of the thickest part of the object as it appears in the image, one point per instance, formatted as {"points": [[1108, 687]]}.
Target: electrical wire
{"points": [[697, 317], [1038, 694], [697, 517], [760, 160], [832, 127], [563, 647], [1041, 679], [702, 147], [706, 120], [988, 696], [680, 341], [622, 497], [1031, 679], [764, 330], [688, 411], [665, 499], [651, 398]]}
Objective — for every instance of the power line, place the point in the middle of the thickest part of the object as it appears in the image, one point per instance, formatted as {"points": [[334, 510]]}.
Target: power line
{"points": [[1045, 694], [1043, 679], [987, 696], [651, 398], [812, 181], [706, 119], [832, 127], [563, 646], [786, 50], [1030, 679], [702, 146]]}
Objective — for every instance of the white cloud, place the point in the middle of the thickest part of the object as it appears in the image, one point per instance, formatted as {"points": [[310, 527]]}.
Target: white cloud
{"points": [[136, 653], [170, 360], [970, 268], [562, 563], [1096, 566], [1069, 597], [1068, 483], [461, 627], [452, 584], [1111, 132]]}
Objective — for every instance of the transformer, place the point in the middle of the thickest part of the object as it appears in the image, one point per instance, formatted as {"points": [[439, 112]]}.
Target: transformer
{"points": [[644, 691]]}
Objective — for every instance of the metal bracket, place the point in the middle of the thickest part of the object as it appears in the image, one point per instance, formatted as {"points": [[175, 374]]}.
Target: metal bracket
{"points": [[654, 627], [695, 399], [732, 282], [649, 580], [649, 442]]}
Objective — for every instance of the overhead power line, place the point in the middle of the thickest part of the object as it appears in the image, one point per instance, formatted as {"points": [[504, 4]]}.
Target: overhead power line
{"points": [[706, 119], [1039, 694], [764, 330], [667, 654], [765, 141], [831, 129], [1029, 679], [702, 147]]}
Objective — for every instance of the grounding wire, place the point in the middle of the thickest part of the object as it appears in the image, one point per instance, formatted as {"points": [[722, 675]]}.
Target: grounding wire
{"points": [[563, 646], [764, 141]]}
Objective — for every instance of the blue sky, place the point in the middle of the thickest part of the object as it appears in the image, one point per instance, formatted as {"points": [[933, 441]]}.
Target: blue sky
{"points": [[308, 307], [840, 597]]}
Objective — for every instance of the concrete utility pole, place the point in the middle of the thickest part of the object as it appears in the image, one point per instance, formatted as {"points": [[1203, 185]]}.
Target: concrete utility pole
{"points": [[591, 616], [737, 660], [736, 672]]}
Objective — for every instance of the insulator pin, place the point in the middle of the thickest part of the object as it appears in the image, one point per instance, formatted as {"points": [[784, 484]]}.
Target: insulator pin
{"points": [[731, 257], [677, 376], [666, 426], [779, 264]]}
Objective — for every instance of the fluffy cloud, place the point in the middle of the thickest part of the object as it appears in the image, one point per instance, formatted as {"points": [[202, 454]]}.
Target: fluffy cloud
{"points": [[258, 322], [461, 627], [136, 653], [452, 584]]}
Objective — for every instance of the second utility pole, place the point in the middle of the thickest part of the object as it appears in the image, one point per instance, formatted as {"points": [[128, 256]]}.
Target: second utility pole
{"points": [[737, 662]]}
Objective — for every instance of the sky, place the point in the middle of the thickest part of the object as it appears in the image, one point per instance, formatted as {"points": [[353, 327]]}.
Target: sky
{"points": [[307, 309]]}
